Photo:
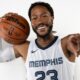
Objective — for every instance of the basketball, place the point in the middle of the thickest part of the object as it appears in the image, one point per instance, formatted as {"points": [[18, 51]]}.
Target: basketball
{"points": [[14, 28]]}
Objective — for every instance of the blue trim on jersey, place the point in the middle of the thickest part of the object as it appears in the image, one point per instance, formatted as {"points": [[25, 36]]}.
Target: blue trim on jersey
{"points": [[53, 41]]}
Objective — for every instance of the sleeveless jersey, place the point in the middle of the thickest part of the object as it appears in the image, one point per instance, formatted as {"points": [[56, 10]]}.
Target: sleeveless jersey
{"points": [[49, 63], [77, 69]]}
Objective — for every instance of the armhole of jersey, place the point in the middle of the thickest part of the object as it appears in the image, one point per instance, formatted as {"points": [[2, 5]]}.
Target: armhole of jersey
{"points": [[30, 47], [28, 52], [63, 53]]}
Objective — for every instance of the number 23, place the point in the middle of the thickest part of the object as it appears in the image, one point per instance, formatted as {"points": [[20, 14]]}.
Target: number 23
{"points": [[43, 74]]}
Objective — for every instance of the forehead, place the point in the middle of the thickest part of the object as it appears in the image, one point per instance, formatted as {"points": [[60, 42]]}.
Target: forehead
{"points": [[38, 9]]}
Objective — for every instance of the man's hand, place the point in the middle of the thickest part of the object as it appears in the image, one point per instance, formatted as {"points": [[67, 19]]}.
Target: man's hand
{"points": [[1, 20], [73, 44]]}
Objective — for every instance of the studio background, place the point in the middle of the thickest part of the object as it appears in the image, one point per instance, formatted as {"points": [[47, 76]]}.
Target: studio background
{"points": [[66, 15]]}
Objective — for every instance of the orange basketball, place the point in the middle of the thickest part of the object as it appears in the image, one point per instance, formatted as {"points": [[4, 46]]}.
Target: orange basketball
{"points": [[14, 28]]}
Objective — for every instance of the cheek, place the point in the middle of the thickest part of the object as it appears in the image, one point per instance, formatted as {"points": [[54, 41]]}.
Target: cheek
{"points": [[33, 24], [50, 21]]}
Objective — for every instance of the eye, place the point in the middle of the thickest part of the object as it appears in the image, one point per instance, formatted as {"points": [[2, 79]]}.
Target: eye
{"points": [[33, 18], [45, 15]]}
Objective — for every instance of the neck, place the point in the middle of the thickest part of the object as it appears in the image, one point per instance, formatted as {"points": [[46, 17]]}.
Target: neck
{"points": [[43, 42]]}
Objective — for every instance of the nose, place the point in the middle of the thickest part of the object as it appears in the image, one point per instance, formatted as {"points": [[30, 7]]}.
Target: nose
{"points": [[40, 21]]}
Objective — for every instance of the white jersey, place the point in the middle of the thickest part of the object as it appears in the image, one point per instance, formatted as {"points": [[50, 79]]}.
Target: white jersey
{"points": [[48, 63], [77, 69]]}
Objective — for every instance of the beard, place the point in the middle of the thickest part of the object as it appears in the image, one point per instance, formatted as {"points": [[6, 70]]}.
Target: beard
{"points": [[47, 34]]}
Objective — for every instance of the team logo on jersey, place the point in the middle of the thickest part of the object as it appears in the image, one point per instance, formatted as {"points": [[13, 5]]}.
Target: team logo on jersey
{"points": [[46, 62], [33, 51]]}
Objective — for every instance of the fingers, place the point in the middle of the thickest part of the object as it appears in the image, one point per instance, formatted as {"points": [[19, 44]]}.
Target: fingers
{"points": [[78, 49], [10, 14], [2, 19], [73, 43], [1, 28]]}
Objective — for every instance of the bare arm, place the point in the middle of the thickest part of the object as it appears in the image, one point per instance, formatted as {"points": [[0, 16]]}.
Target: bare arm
{"points": [[21, 50], [70, 46]]}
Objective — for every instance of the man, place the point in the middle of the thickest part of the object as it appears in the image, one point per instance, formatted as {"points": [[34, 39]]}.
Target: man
{"points": [[47, 57]]}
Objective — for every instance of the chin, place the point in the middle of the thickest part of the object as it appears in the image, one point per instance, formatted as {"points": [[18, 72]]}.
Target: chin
{"points": [[43, 36]]}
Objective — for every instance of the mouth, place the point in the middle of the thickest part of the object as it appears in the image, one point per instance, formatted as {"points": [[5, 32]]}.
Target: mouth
{"points": [[41, 27], [42, 30]]}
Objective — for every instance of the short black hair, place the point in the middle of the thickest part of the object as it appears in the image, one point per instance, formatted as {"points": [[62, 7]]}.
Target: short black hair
{"points": [[49, 8]]}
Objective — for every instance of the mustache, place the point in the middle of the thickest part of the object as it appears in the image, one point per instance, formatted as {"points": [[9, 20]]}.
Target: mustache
{"points": [[40, 25]]}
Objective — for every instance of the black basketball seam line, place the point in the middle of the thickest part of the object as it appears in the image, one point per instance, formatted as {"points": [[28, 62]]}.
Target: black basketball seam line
{"points": [[14, 19], [14, 25], [12, 37]]}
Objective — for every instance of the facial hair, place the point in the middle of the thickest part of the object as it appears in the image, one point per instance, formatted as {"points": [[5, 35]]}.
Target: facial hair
{"points": [[47, 34]]}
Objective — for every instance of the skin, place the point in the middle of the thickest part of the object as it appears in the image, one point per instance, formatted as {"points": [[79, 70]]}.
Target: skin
{"points": [[41, 21]]}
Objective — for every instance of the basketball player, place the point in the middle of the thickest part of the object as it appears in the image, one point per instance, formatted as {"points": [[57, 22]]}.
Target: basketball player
{"points": [[47, 57]]}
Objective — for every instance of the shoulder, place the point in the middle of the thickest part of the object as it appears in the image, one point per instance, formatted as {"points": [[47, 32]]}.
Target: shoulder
{"points": [[65, 43]]}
